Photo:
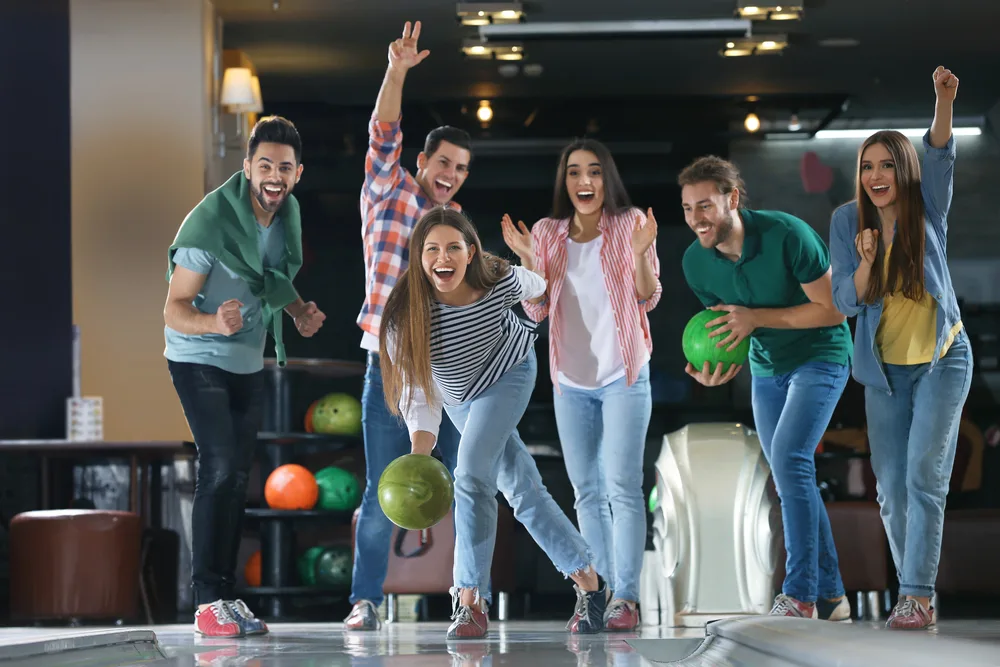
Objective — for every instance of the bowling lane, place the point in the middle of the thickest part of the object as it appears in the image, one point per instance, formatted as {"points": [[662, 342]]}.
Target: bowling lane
{"points": [[750, 643], [413, 645]]}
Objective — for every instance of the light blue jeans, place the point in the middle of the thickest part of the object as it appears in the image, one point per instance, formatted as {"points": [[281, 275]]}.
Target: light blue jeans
{"points": [[913, 435], [492, 456], [603, 436], [791, 413]]}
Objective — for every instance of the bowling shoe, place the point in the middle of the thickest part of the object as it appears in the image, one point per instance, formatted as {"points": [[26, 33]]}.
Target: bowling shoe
{"points": [[364, 616], [216, 620], [588, 616], [250, 624], [837, 612], [911, 615], [621, 616], [786, 606], [468, 621]]}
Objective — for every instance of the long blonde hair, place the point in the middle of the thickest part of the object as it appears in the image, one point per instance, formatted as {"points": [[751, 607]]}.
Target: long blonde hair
{"points": [[406, 318]]}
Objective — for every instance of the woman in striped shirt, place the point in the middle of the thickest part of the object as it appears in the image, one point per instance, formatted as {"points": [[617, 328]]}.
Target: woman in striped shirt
{"points": [[599, 255], [448, 336]]}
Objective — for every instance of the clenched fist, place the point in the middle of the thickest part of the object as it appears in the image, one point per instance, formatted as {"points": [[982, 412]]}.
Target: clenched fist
{"points": [[228, 318], [945, 84], [867, 244], [309, 320]]}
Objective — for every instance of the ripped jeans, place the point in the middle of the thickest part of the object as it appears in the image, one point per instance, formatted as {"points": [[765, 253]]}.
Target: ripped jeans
{"points": [[223, 410], [492, 456]]}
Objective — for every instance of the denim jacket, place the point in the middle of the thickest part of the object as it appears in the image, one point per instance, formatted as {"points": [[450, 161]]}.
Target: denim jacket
{"points": [[936, 185]]}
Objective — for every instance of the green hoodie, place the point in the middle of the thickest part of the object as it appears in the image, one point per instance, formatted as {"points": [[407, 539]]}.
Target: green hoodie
{"points": [[224, 224]]}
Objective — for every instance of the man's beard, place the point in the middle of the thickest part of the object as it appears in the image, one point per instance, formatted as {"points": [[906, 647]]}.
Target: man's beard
{"points": [[261, 198], [723, 230]]}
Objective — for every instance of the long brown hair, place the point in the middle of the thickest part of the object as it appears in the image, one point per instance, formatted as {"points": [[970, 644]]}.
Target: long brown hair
{"points": [[616, 199], [406, 318], [906, 263]]}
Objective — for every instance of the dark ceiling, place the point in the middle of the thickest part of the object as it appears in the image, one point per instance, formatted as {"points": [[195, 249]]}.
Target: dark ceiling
{"points": [[334, 51]]}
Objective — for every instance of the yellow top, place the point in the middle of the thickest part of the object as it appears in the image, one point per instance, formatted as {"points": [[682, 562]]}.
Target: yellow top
{"points": [[907, 328]]}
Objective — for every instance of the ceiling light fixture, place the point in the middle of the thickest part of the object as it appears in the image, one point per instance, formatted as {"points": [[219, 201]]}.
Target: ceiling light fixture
{"points": [[755, 46], [580, 30], [754, 11], [485, 112], [492, 51], [487, 13], [751, 122], [908, 131]]}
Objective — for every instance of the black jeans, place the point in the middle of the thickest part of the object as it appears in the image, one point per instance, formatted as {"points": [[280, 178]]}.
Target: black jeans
{"points": [[223, 410]]}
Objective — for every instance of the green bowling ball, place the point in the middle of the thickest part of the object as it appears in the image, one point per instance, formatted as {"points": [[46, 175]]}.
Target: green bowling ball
{"points": [[334, 567], [699, 348], [338, 489], [415, 491], [337, 414], [307, 565]]}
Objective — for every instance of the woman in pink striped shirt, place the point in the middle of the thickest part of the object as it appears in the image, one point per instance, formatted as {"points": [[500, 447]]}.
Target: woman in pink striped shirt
{"points": [[598, 254]]}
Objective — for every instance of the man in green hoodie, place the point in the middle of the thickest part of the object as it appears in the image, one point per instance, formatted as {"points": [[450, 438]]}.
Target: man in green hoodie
{"points": [[230, 271]]}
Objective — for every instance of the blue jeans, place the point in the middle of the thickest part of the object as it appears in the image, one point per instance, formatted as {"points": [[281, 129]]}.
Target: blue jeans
{"points": [[603, 436], [913, 435], [386, 439], [492, 456], [792, 411]]}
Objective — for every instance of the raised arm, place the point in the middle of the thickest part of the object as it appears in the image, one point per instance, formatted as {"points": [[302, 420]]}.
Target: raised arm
{"points": [[385, 140], [938, 168]]}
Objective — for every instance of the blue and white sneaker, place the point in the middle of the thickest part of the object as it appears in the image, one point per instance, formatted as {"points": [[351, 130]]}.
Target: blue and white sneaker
{"points": [[588, 616], [250, 624]]}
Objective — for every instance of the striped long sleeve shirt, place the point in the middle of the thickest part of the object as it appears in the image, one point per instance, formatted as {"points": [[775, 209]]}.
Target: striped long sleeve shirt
{"points": [[472, 347]]}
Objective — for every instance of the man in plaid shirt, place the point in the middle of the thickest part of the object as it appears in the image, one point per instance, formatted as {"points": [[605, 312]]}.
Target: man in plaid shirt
{"points": [[392, 201]]}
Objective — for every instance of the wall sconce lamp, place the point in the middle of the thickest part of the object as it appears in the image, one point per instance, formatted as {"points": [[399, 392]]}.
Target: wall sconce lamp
{"points": [[240, 95]]}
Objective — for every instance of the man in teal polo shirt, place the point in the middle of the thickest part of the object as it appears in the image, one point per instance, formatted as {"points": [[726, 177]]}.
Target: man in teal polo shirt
{"points": [[768, 275]]}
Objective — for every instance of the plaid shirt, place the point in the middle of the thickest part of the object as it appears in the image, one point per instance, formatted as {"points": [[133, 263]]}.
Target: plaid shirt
{"points": [[391, 204]]}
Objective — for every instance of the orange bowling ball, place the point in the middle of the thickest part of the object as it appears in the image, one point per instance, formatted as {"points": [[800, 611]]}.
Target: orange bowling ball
{"points": [[291, 487], [251, 571]]}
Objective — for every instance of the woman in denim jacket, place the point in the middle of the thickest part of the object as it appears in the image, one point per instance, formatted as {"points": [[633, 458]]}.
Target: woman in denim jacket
{"points": [[889, 258]]}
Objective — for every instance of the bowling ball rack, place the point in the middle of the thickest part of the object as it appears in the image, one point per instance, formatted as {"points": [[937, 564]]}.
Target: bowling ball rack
{"points": [[282, 441]]}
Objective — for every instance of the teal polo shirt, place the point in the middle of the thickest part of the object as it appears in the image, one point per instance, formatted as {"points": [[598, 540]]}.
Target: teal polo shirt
{"points": [[780, 254]]}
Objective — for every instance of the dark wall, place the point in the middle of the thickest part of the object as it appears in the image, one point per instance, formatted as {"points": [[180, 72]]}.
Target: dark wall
{"points": [[36, 354]]}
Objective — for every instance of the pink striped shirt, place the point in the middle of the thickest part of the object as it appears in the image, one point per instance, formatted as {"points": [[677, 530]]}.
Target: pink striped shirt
{"points": [[549, 236]]}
